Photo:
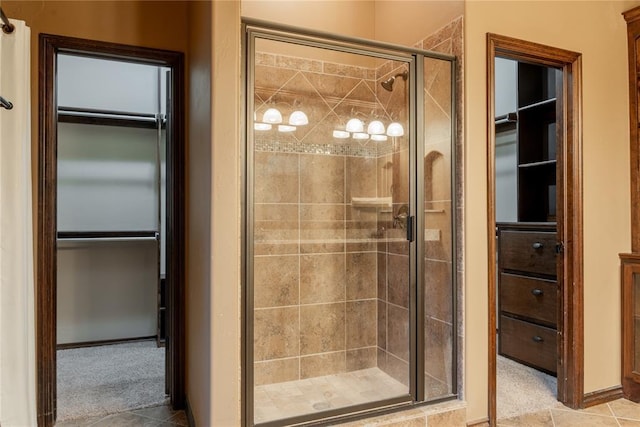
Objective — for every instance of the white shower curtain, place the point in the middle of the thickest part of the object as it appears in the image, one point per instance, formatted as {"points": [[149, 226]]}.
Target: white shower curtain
{"points": [[17, 323]]}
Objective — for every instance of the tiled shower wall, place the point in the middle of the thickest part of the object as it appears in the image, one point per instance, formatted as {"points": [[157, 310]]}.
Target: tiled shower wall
{"points": [[439, 281], [317, 258], [315, 254]]}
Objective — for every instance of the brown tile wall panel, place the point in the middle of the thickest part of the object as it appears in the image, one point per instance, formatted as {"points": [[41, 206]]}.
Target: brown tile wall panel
{"points": [[398, 331], [322, 278], [322, 364], [276, 333], [276, 281], [361, 324], [438, 290], [361, 275], [276, 371], [361, 358], [322, 328], [277, 178]]}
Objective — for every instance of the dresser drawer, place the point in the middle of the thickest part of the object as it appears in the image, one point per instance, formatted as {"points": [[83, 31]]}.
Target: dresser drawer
{"points": [[528, 343], [529, 297], [528, 251]]}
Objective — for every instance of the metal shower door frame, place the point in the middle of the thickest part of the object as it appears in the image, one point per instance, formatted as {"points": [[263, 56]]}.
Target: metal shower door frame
{"points": [[253, 29]]}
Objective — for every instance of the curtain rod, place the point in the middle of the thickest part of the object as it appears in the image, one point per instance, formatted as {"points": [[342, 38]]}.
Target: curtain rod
{"points": [[7, 26]]}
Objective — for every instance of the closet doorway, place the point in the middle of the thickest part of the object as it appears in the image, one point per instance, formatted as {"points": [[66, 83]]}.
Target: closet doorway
{"points": [[535, 227], [110, 283]]}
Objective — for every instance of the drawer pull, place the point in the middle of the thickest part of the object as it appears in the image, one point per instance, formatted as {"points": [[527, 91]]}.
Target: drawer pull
{"points": [[537, 338], [537, 292], [537, 245]]}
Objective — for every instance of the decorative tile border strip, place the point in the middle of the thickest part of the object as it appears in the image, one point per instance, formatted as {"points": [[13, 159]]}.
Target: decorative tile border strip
{"points": [[314, 65], [372, 149]]}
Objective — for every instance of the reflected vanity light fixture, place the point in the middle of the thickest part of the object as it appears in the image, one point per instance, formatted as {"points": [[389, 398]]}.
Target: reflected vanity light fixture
{"points": [[272, 115], [395, 129], [355, 125], [378, 138], [286, 128], [340, 134], [262, 126], [376, 127], [360, 135], [298, 118]]}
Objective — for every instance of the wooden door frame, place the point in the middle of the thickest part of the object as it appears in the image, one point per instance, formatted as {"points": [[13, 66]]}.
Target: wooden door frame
{"points": [[49, 46], [570, 225]]}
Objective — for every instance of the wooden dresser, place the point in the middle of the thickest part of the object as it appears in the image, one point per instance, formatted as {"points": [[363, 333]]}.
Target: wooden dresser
{"points": [[528, 294]]}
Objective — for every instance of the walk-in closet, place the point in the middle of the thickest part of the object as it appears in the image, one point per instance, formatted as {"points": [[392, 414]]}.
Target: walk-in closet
{"points": [[527, 113], [111, 198]]}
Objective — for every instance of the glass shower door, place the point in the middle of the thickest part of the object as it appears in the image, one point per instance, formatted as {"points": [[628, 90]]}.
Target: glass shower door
{"points": [[329, 209]]}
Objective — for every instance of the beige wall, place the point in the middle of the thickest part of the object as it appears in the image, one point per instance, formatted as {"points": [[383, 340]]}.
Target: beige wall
{"points": [[406, 22], [198, 292], [349, 18], [392, 21], [597, 30], [226, 161], [156, 24]]}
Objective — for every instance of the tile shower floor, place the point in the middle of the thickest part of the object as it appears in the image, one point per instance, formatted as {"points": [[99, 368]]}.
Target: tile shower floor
{"points": [[311, 395]]}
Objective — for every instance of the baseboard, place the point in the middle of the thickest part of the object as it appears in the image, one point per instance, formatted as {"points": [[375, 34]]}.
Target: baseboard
{"points": [[68, 346], [602, 396], [484, 422], [187, 410]]}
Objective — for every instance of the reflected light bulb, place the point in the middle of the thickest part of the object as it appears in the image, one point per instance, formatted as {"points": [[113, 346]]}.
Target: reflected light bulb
{"points": [[340, 134], [375, 128], [355, 125], [272, 115], [395, 129], [262, 126], [286, 128], [298, 118]]}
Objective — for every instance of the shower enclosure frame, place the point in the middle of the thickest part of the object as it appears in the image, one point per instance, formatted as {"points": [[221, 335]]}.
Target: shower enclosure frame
{"points": [[414, 58]]}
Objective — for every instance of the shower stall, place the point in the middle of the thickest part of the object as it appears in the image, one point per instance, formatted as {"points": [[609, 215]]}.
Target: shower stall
{"points": [[349, 290]]}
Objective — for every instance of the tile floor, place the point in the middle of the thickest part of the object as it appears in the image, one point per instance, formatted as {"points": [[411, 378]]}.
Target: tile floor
{"points": [[619, 413], [157, 416], [312, 395]]}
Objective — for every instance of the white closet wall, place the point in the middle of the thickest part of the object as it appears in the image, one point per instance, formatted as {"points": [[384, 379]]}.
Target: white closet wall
{"points": [[107, 85], [107, 182], [506, 148]]}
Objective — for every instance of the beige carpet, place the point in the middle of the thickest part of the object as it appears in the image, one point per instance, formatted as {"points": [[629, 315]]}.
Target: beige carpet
{"points": [[522, 390], [109, 379]]}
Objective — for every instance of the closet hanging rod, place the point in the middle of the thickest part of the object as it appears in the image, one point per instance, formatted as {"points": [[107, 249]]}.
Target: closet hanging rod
{"points": [[7, 26], [92, 112], [106, 239]]}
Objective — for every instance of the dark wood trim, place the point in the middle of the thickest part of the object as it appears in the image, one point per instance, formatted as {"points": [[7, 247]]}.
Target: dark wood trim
{"points": [[479, 423], [191, 422], [569, 221], [632, 17], [50, 45], [491, 233], [598, 397], [46, 248], [629, 270], [84, 344]]}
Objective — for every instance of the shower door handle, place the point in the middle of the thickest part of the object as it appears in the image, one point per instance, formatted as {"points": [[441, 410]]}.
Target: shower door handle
{"points": [[410, 236]]}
